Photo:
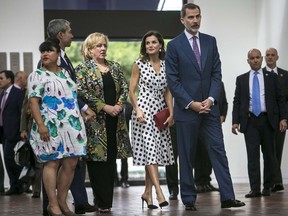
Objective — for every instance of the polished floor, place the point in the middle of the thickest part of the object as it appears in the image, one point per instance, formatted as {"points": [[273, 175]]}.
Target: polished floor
{"points": [[127, 202]]}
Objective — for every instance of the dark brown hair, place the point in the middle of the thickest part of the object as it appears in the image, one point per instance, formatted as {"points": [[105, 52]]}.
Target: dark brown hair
{"points": [[143, 54]]}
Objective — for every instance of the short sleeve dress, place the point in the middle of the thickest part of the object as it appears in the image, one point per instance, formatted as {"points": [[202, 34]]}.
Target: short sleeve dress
{"points": [[60, 113], [150, 145]]}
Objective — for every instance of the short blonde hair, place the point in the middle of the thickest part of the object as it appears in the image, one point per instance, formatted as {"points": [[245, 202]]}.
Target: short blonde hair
{"points": [[91, 41]]}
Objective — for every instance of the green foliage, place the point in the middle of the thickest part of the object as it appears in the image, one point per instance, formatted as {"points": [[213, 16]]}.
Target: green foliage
{"points": [[123, 52]]}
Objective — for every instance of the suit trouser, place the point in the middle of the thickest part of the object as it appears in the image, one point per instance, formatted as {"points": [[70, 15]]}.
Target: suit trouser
{"points": [[187, 139], [1, 174], [279, 143], [260, 133], [203, 167], [77, 187], [172, 170], [13, 170], [124, 170]]}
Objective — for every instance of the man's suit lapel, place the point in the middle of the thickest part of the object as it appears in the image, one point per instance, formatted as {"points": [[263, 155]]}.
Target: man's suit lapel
{"points": [[186, 47], [204, 50], [69, 68], [10, 96], [246, 86]]}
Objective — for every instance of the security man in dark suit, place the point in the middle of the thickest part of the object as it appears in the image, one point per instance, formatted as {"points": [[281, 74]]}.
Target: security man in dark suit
{"points": [[271, 58], [257, 107], [11, 99]]}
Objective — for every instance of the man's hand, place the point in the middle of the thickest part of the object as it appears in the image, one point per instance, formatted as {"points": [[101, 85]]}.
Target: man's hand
{"points": [[283, 125], [89, 115], [235, 129], [24, 135], [201, 107]]}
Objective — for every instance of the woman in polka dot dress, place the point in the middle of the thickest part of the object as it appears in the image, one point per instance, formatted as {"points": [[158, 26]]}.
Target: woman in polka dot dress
{"points": [[151, 147]]}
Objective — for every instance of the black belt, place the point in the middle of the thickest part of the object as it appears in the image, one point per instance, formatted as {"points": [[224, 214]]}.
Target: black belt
{"points": [[261, 114]]}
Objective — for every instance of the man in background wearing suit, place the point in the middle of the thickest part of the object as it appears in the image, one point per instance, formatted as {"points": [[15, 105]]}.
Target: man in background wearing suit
{"points": [[271, 58], [193, 70], [61, 29], [257, 107], [11, 99]]}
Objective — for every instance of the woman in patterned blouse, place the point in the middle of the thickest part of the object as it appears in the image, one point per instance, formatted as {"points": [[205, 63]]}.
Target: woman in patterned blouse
{"points": [[103, 87], [58, 135]]}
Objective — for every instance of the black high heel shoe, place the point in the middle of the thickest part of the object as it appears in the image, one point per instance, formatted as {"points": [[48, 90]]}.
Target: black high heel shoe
{"points": [[163, 204], [150, 206]]}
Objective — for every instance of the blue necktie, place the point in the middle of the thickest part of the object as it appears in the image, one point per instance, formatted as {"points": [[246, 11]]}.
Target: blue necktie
{"points": [[256, 105]]}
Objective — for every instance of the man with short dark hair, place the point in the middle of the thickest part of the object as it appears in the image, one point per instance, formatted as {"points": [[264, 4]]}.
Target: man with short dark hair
{"points": [[11, 99], [193, 71]]}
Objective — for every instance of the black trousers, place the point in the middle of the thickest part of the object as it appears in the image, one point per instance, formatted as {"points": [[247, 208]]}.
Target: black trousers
{"points": [[172, 170], [2, 175], [13, 170], [102, 173], [279, 143], [259, 133]]}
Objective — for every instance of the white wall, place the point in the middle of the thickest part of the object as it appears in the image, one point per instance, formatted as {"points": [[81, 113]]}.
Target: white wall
{"points": [[21, 30], [239, 26]]}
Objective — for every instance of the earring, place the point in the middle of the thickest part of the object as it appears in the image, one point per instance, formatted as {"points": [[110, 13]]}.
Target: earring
{"points": [[58, 61], [160, 50]]}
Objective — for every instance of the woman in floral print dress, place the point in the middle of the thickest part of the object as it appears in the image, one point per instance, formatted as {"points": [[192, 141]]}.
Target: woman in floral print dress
{"points": [[103, 87], [58, 133]]}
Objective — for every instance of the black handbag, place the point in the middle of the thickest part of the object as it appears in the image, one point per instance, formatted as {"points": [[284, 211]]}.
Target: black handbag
{"points": [[23, 153]]}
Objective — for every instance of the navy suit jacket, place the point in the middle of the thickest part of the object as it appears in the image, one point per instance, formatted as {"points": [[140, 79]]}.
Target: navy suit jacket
{"points": [[186, 81], [72, 73], [12, 114], [283, 81], [274, 101]]}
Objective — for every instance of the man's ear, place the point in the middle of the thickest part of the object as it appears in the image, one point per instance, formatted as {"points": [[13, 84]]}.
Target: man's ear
{"points": [[59, 35]]}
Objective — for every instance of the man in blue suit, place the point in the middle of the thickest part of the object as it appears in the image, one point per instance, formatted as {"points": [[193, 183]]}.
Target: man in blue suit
{"points": [[61, 29], [193, 71], [11, 99]]}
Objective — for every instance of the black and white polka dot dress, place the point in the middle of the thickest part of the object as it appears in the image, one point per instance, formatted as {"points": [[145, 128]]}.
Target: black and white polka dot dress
{"points": [[150, 145]]}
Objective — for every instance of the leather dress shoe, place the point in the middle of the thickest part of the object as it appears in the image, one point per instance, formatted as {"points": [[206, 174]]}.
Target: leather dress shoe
{"points": [[11, 191], [266, 192], [82, 209], [190, 207], [232, 203], [173, 196], [277, 187], [125, 184], [45, 212], [36, 195], [209, 187], [200, 189], [252, 194]]}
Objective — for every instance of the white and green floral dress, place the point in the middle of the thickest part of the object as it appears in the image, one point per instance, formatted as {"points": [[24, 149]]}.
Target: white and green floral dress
{"points": [[60, 113]]}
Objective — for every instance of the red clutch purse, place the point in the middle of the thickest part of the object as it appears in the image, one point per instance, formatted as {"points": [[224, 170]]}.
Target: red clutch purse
{"points": [[160, 118]]}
